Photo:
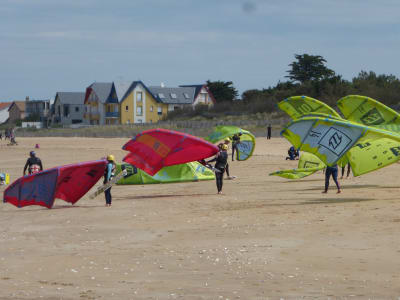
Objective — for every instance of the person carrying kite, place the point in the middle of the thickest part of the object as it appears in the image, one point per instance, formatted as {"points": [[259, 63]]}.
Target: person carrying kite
{"points": [[331, 171], [33, 164], [221, 159], [109, 173]]}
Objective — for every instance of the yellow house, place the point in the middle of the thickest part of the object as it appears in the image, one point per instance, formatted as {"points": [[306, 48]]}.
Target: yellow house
{"points": [[139, 106]]}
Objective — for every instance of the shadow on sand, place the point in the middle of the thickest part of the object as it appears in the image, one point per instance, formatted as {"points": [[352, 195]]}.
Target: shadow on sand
{"points": [[334, 200], [140, 197]]}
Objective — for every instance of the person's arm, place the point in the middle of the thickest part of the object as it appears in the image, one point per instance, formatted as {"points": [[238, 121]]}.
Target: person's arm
{"points": [[214, 159], [26, 166]]}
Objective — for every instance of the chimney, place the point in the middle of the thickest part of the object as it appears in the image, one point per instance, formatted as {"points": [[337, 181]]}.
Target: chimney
{"points": [[27, 98]]}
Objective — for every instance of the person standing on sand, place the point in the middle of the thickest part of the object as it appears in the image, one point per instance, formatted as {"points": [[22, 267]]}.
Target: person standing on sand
{"points": [[334, 172], [269, 130], [109, 172], [221, 159], [33, 164], [235, 141], [348, 171]]}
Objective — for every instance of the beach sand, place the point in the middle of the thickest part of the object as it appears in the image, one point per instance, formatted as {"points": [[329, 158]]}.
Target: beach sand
{"points": [[265, 238]]}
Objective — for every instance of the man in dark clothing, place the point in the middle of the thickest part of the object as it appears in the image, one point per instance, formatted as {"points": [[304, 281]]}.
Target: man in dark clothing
{"points": [[221, 159], [235, 142], [269, 130], [33, 164], [348, 171], [334, 172], [109, 172]]}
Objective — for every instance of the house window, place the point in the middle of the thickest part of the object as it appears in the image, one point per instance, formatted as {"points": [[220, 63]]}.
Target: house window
{"points": [[151, 108], [161, 95], [76, 108], [139, 96], [139, 111], [186, 95], [66, 110], [173, 95], [159, 110], [126, 108]]}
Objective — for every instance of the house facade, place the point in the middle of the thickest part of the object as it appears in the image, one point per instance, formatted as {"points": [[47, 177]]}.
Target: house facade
{"points": [[16, 111], [68, 108], [101, 104], [38, 108], [202, 95], [140, 106], [4, 114]]}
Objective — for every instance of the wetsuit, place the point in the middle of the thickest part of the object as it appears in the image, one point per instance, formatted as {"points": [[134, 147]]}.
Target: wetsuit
{"points": [[33, 164], [220, 164], [291, 153], [109, 172], [235, 142], [269, 132], [334, 172]]}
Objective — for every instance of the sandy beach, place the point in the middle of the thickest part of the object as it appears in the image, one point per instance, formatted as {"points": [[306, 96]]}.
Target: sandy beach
{"points": [[266, 237]]}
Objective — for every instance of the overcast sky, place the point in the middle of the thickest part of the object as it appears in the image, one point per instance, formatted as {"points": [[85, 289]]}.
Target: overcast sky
{"points": [[65, 45]]}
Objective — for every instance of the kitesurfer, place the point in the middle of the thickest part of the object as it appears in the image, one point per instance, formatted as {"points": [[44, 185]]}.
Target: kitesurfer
{"points": [[348, 170], [334, 172], [109, 173], [227, 142], [221, 159], [33, 164], [293, 153], [235, 143]]}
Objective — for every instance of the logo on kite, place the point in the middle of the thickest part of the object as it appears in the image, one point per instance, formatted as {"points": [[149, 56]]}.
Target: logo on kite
{"points": [[335, 141], [395, 150], [372, 117], [315, 133], [310, 164], [301, 107]]}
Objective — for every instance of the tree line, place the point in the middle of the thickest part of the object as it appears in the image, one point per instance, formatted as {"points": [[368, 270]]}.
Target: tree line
{"points": [[308, 75]]}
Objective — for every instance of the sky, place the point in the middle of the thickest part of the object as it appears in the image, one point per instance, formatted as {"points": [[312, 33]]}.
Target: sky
{"points": [[49, 46]]}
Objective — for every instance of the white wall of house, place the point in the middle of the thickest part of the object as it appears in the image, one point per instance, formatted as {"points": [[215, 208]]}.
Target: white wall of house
{"points": [[203, 97]]}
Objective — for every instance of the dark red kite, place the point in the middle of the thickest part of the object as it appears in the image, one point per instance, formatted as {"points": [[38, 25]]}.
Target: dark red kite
{"points": [[154, 149], [68, 183]]}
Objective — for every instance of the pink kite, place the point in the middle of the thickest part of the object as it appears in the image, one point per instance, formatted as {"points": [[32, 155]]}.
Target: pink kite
{"points": [[154, 149]]}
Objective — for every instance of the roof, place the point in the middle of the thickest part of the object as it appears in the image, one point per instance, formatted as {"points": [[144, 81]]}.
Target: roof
{"points": [[19, 104], [102, 90], [121, 88], [4, 105], [71, 97], [174, 95]]}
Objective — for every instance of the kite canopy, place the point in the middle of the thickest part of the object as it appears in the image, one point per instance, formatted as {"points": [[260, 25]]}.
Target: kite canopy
{"points": [[300, 106], [154, 149], [308, 165], [192, 171], [367, 111], [247, 140], [69, 183], [367, 148]]}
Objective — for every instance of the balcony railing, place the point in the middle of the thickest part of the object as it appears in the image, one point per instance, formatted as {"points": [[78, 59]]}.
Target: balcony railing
{"points": [[112, 114]]}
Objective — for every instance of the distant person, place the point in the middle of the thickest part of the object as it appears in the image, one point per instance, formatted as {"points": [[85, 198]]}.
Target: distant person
{"points": [[331, 171], [235, 142], [221, 159], [33, 164], [1, 136], [109, 173], [293, 153], [348, 170], [269, 130]]}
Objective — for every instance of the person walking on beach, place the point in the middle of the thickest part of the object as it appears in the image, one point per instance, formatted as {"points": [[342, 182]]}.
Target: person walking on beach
{"points": [[269, 130], [33, 164], [331, 171], [221, 159], [109, 173]]}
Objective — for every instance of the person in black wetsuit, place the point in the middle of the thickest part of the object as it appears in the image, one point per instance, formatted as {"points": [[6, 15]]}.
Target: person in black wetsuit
{"points": [[293, 153], [269, 129], [334, 172], [348, 171], [33, 164], [109, 173], [235, 141], [221, 159], [227, 142]]}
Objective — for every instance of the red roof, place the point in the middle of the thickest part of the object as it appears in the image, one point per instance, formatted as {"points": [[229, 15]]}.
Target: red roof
{"points": [[4, 105]]}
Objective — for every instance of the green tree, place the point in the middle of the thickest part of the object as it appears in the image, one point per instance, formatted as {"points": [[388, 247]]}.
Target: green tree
{"points": [[309, 68], [222, 91]]}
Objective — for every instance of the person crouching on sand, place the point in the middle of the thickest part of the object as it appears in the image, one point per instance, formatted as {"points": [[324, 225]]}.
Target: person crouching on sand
{"points": [[334, 172], [109, 172], [221, 160]]}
